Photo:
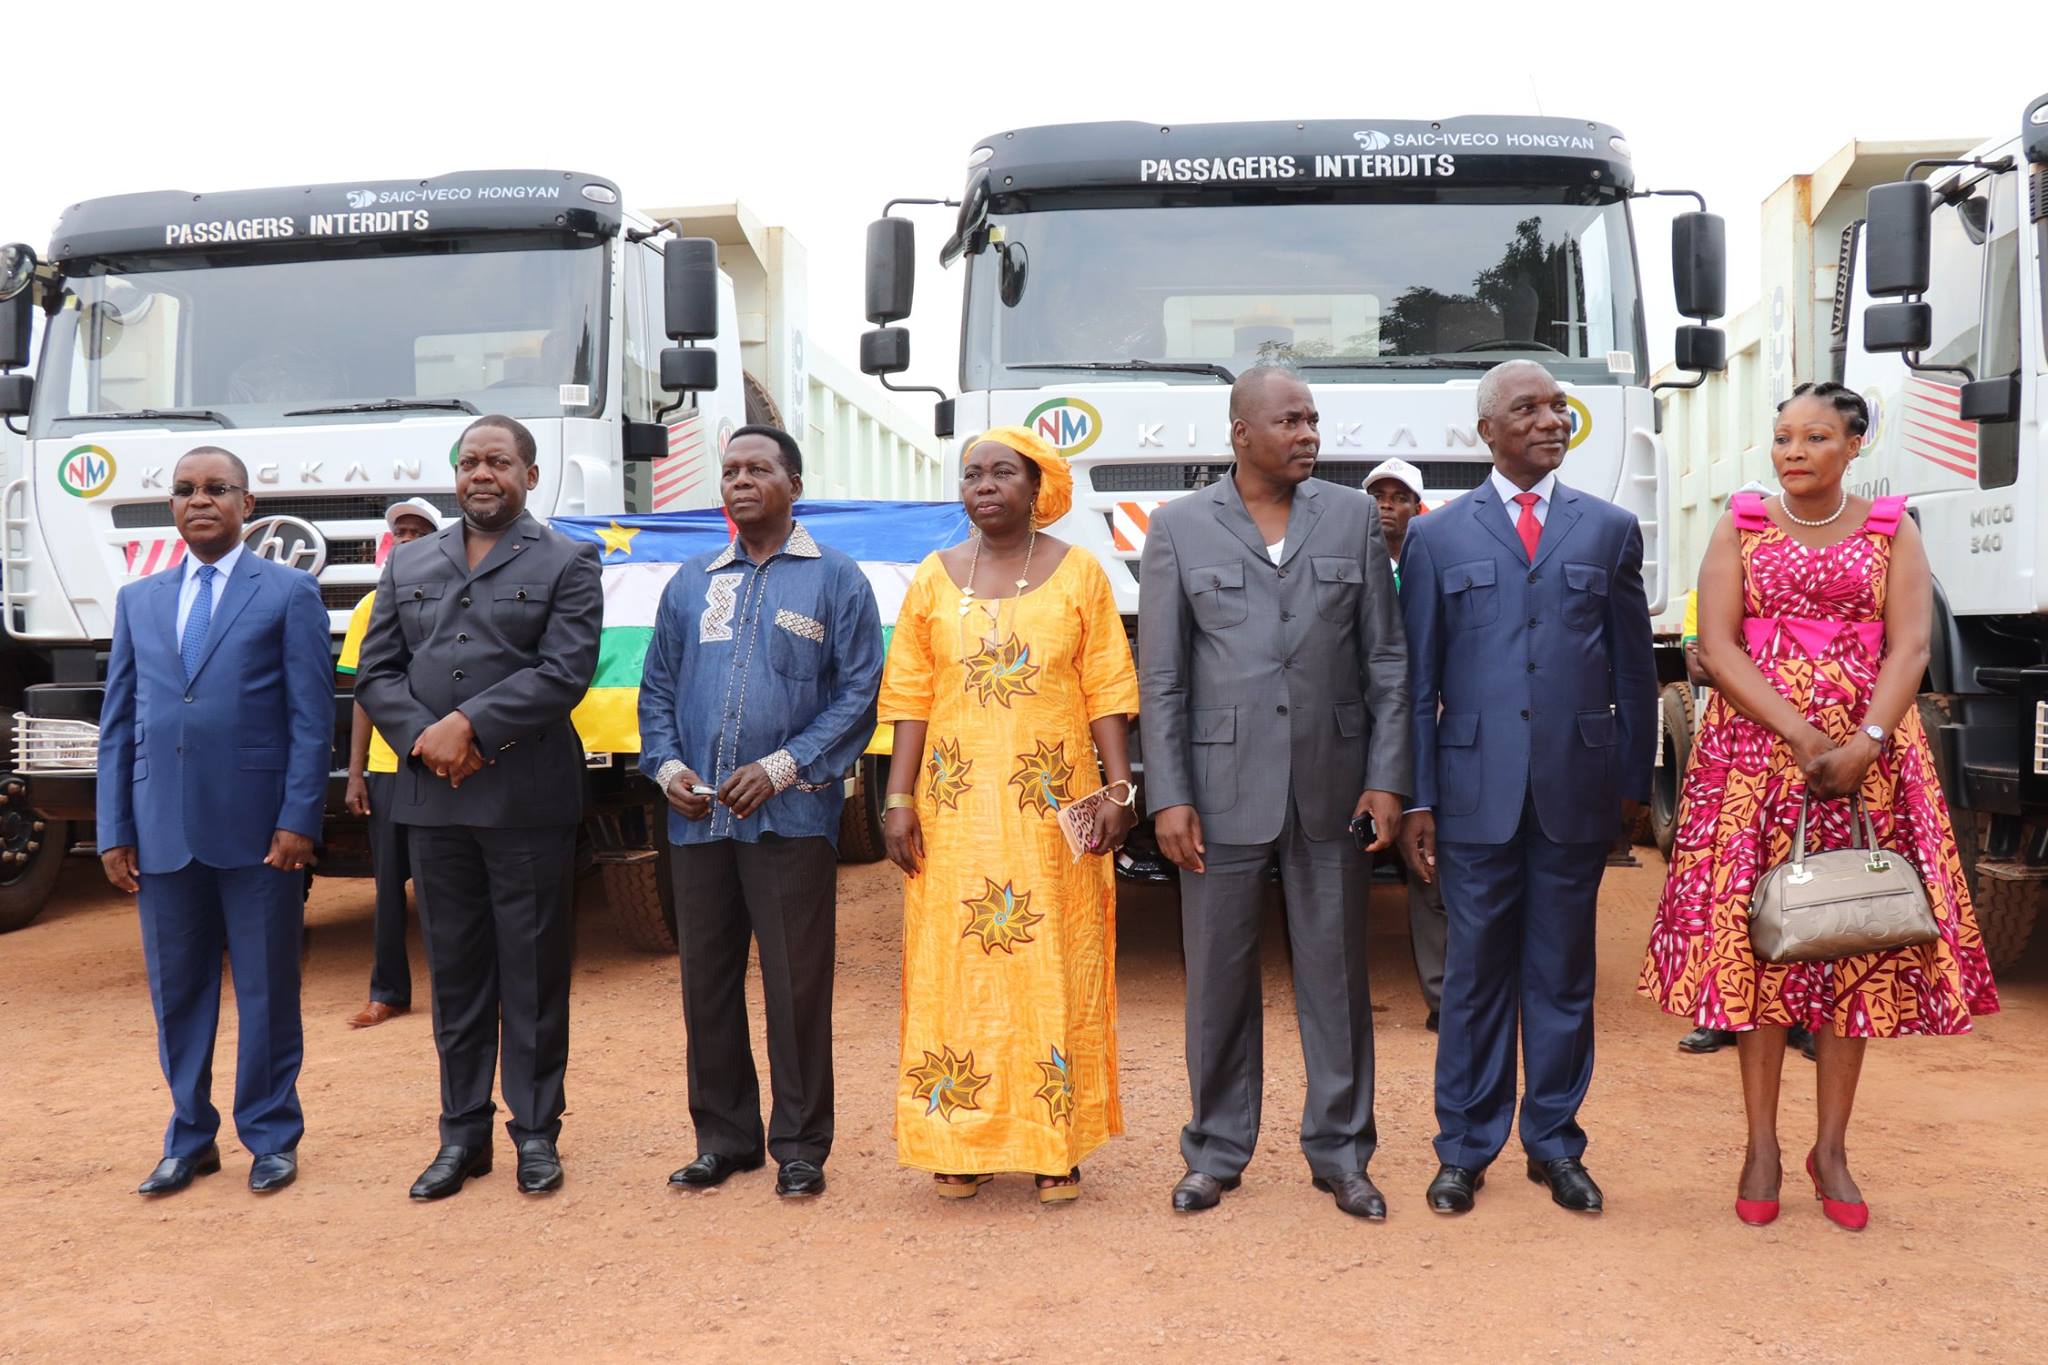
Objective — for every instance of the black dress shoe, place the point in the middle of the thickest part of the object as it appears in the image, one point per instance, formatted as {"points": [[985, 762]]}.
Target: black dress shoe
{"points": [[273, 1172], [174, 1173], [540, 1166], [799, 1180], [1570, 1186], [1432, 1020], [1705, 1040], [1198, 1191], [1356, 1195], [1803, 1040], [450, 1168], [1453, 1188], [713, 1168]]}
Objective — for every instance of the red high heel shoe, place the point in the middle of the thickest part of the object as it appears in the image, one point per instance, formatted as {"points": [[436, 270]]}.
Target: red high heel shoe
{"points": [[1843, 1214], [1757, 1213]]}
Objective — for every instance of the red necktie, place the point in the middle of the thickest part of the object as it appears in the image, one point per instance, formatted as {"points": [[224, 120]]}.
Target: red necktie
{"points": [[1526, 525]]}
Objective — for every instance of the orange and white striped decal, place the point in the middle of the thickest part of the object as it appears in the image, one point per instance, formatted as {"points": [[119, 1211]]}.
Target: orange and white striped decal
{"points": [[146, 557], [1128, 523]]}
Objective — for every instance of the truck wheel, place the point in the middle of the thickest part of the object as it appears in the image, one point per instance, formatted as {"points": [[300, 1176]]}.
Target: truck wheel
{"points": [[34, 850], [2006, 911], [1675, 707], [860, 821], [632, 896]]}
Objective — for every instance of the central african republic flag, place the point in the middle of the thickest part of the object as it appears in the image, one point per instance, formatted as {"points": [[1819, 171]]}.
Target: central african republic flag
{"points": [[641, 553]]}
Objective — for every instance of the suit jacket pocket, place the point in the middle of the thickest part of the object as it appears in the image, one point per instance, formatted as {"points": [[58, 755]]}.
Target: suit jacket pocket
{"points": [[1338, 584], [1212, 734], [416, 607], [1585, 596], [1216, 595], [1470, 598], [1596, 729], [260, 760], [1351, 719], [1458, 768], [520, 612]]}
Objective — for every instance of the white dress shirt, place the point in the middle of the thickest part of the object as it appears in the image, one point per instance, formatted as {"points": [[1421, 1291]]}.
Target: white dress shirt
{"points": [[188, 591], [1505, 489]]}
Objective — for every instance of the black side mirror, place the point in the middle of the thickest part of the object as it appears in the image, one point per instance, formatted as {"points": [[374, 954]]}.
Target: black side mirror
{"points": [[686, 369], [1991, 400], [886, 350], [891, 269], [970, 230], [15, 392], [17, 303], [1898, 328], [1896, 239], [1699, 265], [689, 279], [1700, 349]]}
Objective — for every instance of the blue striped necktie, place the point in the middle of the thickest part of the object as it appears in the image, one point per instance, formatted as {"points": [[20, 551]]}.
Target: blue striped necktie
{"points": [[197, 621]]}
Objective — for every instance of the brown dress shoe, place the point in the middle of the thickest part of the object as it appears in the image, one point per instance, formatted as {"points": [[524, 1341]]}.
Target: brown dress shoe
{"points": [[377, 1012]]}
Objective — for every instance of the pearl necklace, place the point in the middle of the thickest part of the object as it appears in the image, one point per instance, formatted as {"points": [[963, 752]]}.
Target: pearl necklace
{"points": [[1786, 508]]}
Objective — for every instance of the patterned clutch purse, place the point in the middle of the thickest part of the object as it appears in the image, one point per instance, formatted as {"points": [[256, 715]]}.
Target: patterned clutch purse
{"points": [[1077, 819]]}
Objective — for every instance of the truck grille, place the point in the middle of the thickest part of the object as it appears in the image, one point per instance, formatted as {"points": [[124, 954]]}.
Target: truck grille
{"points": [[315, 508], [344, 596], [1452, 475]]}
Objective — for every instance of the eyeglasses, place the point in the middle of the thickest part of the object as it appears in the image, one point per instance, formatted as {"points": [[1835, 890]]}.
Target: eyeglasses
{"points": [[215, 491]]}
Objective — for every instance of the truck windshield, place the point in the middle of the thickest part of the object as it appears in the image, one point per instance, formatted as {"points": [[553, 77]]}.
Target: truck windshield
{"points": [[1388, 289], [254, 343]]}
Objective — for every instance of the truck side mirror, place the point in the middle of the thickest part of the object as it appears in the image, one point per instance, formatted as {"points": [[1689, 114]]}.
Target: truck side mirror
{"points": [[1699, 265], [689, 280], [15, 392], [891, 269], [1896, 240], [1990, 400], [1898, 328], [1700, 349], [17, 303], [970, 229], [686, 369], [2034, 133], [886, 350]]}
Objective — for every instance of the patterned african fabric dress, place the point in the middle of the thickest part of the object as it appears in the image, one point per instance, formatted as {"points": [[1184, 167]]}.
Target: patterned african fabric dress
{"points": [[1813, 621], [1009, 944]]}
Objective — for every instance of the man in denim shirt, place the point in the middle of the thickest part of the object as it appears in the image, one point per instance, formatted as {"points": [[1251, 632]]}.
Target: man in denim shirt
{"points": [[757, 696]]}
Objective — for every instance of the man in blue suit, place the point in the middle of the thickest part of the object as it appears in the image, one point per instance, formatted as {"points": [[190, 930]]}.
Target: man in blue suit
{"points": [[1534, 698], [215, 740]]}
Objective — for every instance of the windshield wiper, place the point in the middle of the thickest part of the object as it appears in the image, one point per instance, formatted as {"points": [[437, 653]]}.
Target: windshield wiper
{"points": [[1136, 366], [152, 415], [392, 405], [1395, 362]]}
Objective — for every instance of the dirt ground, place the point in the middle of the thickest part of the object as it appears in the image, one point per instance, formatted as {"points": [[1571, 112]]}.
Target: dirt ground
{"points": [[617, 1266]]}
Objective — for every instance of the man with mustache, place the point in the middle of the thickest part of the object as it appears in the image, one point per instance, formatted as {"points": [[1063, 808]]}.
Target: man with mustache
{"points": [[1534, 704], [483, 639]]}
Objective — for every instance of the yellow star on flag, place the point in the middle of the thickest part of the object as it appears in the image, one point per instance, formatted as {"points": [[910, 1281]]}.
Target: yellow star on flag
{"points": [[618, 538]]}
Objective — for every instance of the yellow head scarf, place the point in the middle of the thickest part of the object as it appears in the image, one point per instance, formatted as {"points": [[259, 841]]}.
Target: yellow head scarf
{"points": [[1055, 480]]}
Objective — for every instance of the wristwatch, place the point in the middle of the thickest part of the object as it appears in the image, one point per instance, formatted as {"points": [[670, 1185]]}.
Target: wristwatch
{"points": [[1877, 732]]}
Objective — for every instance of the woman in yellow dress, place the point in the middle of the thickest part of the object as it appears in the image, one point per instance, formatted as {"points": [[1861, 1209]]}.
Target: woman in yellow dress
{"points": [[1011, 687]]}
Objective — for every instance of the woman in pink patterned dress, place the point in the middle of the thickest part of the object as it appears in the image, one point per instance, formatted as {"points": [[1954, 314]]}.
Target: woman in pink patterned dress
{"points": [[1815, 610]]}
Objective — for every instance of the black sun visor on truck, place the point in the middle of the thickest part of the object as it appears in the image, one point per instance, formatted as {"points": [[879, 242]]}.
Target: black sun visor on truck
{"points": [[1364, 156], [465, 203]]}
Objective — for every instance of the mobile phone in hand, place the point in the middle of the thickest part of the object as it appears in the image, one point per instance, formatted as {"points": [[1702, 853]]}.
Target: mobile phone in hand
{"points": [[699, 789], [1364, 830]]}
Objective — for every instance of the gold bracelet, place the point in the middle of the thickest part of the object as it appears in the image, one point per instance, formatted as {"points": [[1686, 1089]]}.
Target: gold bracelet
{"points": [[1129, 801], [900, 801]]}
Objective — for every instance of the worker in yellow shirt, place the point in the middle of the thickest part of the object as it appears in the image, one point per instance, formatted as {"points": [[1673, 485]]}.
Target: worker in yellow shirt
{"points": [[372, 777]]}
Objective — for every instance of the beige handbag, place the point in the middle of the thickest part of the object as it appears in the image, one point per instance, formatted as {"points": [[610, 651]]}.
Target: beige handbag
{"points": [[1821, 906]]}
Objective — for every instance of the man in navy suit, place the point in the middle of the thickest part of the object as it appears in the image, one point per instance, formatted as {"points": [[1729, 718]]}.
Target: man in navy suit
{"points": [[1534, 698], [215, 740]]}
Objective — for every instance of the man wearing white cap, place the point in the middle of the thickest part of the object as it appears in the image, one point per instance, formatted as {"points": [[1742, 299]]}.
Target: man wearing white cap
{"points": [[1396, 486], [372, 773]]}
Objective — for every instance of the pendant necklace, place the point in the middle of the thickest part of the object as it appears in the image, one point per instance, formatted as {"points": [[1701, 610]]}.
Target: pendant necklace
{"points": [[1786, 508], [967, 599]]}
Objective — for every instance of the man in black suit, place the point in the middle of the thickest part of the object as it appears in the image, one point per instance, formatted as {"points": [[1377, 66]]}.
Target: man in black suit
{"points": [[483, 639]]}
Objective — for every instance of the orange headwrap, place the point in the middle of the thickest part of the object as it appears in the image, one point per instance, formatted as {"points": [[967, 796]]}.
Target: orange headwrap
{"points": [[1055, 480]]}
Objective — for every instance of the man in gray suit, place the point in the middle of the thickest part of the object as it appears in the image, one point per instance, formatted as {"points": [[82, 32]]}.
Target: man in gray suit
{"points": [[483, 639], [1274, 679]]}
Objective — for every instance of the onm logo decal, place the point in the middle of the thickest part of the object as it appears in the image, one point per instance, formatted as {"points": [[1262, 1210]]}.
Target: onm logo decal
{"points": [[1582, 422], [86, 472], [1068, 424]]}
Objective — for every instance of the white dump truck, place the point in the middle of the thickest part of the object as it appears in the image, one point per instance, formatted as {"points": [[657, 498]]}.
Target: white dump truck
{"points": [[1916, 273], [338, 338], [1119, 275]]}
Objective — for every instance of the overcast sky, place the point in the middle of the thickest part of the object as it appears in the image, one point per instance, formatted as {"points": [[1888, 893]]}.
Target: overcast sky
{"points": [[815, 119]]}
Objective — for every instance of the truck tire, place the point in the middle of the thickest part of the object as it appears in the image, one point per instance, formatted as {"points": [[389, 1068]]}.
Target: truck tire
{"points": [[1674, 705], [35, 850], [2006, 911], [860, 821], [632, 897]]}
